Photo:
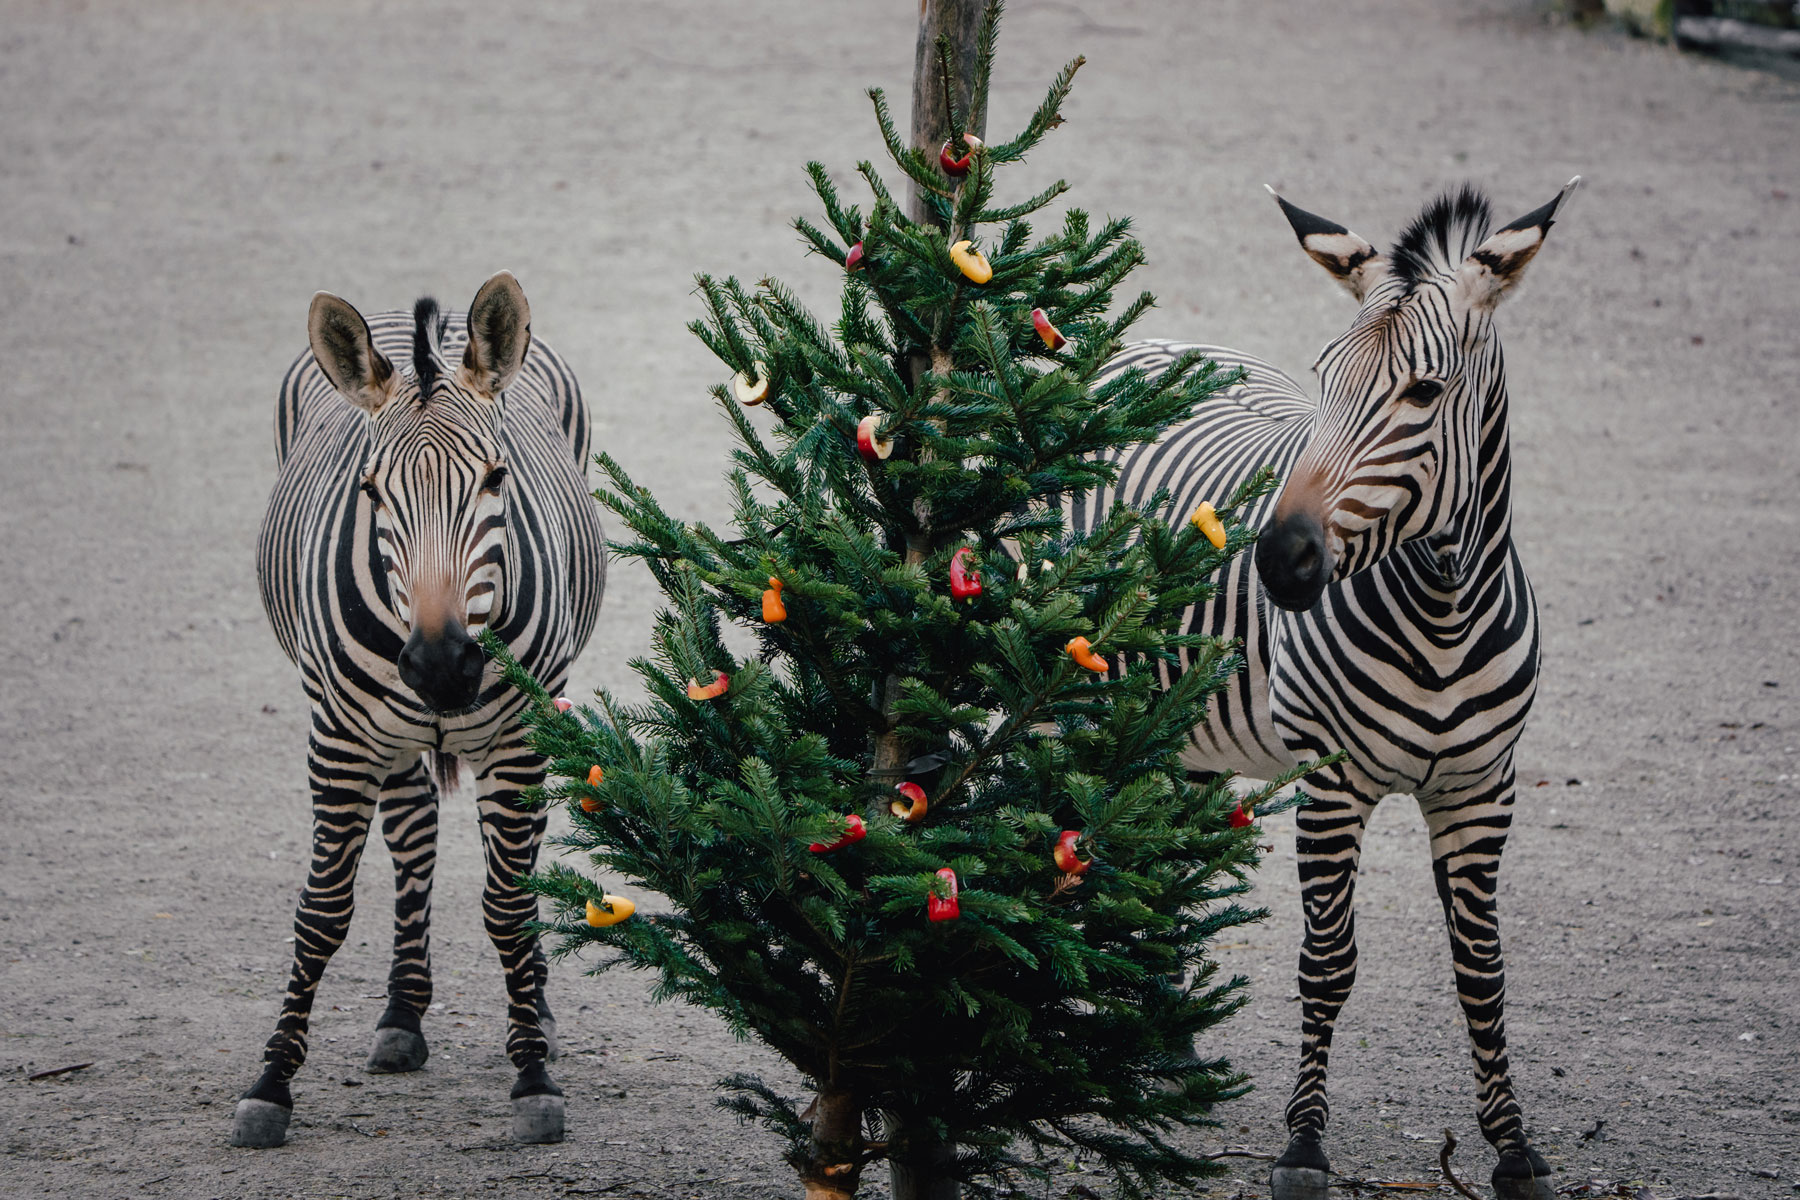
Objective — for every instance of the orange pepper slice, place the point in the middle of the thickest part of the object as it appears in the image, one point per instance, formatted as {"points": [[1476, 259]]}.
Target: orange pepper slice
{"points": [[600, 918], [774, 611], [1083, 654]]}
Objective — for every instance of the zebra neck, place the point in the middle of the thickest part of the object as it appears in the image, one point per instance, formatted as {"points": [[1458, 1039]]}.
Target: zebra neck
{"points": [[1464, 557]]}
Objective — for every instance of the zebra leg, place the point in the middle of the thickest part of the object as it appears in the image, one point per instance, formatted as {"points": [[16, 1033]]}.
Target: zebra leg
{"points": [[409, 824], [510, 836], [1468, 833], [1331, 825], [343, 803]]}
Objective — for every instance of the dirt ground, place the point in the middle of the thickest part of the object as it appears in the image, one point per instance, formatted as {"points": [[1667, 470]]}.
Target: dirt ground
{"points": [[178, 178]]}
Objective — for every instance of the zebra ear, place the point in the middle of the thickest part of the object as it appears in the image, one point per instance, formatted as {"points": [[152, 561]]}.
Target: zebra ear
{"points": [[342, 348], [1352, 261], [1499, 263], [499, 335]]}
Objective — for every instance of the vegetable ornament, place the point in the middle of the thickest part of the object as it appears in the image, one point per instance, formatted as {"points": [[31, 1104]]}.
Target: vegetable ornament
{"points": [[610, 911], [965, 584], [943, 908], [971, 262], [774, 611], [1083, 654], [1207, 522], [854, 831]]}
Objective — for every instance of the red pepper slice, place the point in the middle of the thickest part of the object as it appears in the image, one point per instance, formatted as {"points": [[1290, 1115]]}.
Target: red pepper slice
{"points": [[854, 831], [943, 908], [965, 584]]}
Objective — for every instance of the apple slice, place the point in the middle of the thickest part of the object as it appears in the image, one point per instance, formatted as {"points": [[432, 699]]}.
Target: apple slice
{"points": [[562, 704], [953, 166], [1239, 817], [868, 444], [708, 691], [854, 259], [912, 810], [747, 393], [971, 262], [1065, 857], [1052, 336]]}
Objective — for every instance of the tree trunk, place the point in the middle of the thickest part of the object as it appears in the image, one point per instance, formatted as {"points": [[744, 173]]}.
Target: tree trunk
{"points": [[835, 1169], [926, 1178], [960, 21]]}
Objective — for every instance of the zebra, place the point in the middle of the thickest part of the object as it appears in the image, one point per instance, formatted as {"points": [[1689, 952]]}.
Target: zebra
{"points": [[1385, 613], [412, 507]]}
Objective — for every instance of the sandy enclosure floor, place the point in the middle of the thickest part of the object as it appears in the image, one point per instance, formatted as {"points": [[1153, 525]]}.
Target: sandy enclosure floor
{"points": [[177, 179]]}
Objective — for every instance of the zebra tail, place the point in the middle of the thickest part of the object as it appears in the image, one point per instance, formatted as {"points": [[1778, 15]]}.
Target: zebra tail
{"points": [[444, 769]]}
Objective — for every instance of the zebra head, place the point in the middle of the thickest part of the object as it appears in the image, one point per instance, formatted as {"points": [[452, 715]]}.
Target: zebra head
{"points": [[1412, 406], [434, 484]]}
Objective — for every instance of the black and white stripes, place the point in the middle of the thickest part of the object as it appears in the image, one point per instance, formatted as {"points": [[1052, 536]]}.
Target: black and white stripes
{"points": [[454, 499], [1385, 614]]}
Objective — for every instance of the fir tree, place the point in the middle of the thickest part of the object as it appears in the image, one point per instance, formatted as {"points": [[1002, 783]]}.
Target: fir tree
{"points": [[1016, 967]]}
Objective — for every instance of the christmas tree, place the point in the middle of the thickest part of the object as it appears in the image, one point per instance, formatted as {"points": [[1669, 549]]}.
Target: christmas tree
{"points": [[932, 842]]}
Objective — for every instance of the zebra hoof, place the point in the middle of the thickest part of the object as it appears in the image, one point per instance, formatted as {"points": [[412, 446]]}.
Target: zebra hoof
{"points": [[260, 1124], [1523, 1175], [397, 1051], [1302, 1172], [537, 1119], [1299, 1183]]}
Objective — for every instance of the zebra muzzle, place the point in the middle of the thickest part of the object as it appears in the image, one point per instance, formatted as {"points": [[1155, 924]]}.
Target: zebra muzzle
{"points": [[1293, 561], [443, 671]]}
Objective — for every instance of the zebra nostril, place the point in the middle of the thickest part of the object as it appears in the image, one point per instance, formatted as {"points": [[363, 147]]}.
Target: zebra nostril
{"points": [[473, 660], [1306, 562]]}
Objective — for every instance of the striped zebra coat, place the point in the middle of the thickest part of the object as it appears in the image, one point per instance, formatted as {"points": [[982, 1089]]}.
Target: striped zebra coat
{"points": [[1385, 613], [416, 505]]}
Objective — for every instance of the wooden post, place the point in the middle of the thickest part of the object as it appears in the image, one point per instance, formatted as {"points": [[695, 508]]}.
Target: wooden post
{"points": [[960, 22]]}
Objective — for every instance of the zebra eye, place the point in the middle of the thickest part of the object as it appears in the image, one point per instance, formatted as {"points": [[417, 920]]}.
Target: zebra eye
{"points": [[495, 477], [1423, 392], [369, 490]]}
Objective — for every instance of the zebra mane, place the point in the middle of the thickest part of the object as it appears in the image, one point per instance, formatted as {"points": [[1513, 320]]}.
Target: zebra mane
{"points": [[1441, 237], [428, 338]]}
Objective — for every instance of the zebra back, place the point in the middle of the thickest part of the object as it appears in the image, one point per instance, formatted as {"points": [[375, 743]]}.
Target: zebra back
{"points": [[1262, 422]]}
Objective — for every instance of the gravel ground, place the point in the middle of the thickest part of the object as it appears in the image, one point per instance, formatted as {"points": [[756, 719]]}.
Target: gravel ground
{"points": [[178, 178]]}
